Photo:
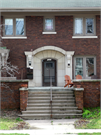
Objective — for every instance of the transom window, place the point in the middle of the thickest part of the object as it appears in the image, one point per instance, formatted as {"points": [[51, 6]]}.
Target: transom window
{"points": [[85, 66], [84, 26], [14, 27], [49, 24]]}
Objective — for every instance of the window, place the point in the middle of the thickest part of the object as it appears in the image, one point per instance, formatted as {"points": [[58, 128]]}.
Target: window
{"points": [[14, 27], [85, 66], [84, 26], [49, 24]]}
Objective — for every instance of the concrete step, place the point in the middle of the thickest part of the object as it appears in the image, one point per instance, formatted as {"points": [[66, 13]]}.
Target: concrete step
{"points": [[53, 92], [39, 107], [53, 98], [53, 95], [53, 108], [48, 101], [48, 104], [53, 112], [48, 116]]}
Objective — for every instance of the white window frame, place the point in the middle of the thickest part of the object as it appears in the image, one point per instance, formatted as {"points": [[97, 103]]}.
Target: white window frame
{"points": [[84, 65], [14, 27], [84, 26]]}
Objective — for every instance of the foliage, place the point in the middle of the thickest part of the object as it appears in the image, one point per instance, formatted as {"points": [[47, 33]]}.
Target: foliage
{"points": [[13, 134], [91, 119], [6, 66], [18, 119], [89, 134], [94, 124], [91, 112], [7, 123]]}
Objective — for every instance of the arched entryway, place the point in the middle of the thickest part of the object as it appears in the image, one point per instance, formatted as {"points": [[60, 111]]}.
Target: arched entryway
{"points": [[49, 72], [63, 64]]}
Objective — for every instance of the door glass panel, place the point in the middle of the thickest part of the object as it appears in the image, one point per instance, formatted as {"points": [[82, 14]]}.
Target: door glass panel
{"points": [[89, 67], [49, 65], [49, 71], [79, 67]]}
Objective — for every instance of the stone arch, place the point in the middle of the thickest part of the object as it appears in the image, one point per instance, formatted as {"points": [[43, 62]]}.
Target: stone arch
{"points": [[44, 54], [64, 63], [49, 48]]}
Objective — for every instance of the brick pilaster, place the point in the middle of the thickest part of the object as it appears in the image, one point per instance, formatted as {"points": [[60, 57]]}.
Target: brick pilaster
{"points": [[23, 98], [79, 97]]}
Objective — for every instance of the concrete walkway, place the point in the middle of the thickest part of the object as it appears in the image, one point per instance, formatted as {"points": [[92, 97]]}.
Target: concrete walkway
{"points": [[53, 124]]}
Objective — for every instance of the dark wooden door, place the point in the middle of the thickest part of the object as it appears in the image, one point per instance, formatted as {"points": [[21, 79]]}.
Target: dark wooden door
{"points": [[49, 72]]}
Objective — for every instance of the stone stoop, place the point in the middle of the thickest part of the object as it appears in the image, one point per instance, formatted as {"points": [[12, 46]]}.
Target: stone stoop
{"points": [[39, 106]]}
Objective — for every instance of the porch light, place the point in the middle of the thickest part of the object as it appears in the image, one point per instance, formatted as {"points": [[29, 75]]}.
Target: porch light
{"points": [[29, 63], [3, 55]]}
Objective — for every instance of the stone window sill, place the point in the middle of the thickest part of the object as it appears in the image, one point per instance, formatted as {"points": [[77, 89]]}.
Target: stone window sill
{"points": [[86, 80], [84, 37], [49, 32], [14, 37]]}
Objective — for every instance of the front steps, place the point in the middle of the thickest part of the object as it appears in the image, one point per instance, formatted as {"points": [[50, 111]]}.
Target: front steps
{"points": [[39, 106]]}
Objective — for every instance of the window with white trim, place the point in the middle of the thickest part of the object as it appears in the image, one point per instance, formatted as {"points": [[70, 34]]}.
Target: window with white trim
{"points": [[14, 27], [85, 66], [84, 26]]}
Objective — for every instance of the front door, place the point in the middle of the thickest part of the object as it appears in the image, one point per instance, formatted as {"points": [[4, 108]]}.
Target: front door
{"points": [[49, 72]]}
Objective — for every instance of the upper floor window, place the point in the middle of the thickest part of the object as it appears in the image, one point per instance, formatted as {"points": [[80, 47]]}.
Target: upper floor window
{"points": [[14, 27], [84, 26], [49, 24]]}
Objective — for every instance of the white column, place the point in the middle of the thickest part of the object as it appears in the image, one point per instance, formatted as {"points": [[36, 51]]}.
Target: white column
{"points": [[68, 63], [29, 60]]}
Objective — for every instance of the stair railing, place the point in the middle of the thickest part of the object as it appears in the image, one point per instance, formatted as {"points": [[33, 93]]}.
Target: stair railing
{"points": [[51, 95]]}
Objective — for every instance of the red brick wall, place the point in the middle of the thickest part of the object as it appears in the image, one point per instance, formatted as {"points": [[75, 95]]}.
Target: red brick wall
{"points": [[10, 97], [91, 94], [23, 99], [63, 39], [79, 99]]}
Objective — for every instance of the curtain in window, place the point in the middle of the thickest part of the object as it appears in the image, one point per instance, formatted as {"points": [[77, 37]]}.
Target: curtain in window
{"points": [[78, 25]]}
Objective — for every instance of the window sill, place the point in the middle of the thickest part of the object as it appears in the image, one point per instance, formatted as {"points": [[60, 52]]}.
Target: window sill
{"points": [[14, 37], [86, 80], [49, 32], [84, 36]]}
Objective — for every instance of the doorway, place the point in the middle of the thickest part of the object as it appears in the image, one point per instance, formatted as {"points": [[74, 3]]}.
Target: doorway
{"points": [[49, 72]]}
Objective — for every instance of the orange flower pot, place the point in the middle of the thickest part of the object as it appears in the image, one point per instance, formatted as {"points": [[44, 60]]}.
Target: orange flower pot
{"points": [[24, 85]]}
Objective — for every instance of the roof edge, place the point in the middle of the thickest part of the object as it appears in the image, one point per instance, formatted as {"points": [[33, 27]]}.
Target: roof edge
{"points": [[49, 10], [68, 8]]}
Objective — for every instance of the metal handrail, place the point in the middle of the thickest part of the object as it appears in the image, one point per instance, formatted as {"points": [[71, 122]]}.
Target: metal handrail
{"points": [[51, 95]]}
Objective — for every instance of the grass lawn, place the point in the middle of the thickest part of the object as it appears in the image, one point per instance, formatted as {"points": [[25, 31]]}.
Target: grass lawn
{"points": [[94, 124], [13, 134], [89, 134], [8, 123], [91, 119]]}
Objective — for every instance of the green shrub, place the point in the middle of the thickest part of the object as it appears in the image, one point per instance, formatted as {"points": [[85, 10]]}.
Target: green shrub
{"points": [[18, 119], [91, 112]]}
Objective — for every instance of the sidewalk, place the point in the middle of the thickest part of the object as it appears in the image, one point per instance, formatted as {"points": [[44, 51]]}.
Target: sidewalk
{"points": [[53, 124]]}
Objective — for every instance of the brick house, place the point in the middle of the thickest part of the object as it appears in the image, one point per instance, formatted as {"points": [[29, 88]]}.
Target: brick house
{"points": [[49, 39]]}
